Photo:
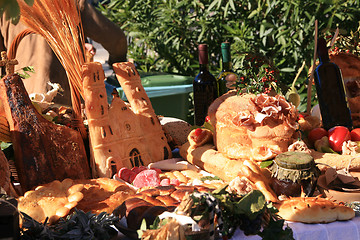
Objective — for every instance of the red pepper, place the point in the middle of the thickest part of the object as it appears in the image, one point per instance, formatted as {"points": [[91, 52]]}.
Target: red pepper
{"points": [[338, 135]]}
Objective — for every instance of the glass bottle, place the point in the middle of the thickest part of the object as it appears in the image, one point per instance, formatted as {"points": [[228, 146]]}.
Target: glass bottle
{"points": [[227, 78], [330, 91], [204, 87]]}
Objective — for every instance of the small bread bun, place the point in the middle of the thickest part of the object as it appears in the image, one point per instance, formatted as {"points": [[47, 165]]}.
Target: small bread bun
{"points": [[313, 210], [200, 136]]}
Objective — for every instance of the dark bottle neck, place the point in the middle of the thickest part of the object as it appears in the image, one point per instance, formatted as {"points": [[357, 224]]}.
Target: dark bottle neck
{"points": [[322, 51], [204, 67], [324, 58], [203, 55], [226, 66], [226, 57]]}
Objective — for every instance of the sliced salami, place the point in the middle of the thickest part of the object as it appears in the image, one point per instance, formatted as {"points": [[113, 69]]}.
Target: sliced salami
{"points": [[147, 178]]}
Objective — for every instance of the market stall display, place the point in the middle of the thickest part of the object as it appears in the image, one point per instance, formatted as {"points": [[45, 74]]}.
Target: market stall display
{"points": [[230, 174]]}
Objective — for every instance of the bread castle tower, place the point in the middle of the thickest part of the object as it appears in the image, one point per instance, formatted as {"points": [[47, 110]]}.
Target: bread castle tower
{"points": [[122, 134]]}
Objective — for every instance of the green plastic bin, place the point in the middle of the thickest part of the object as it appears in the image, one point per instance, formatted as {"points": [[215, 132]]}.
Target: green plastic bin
{"points": [[169, 93]]}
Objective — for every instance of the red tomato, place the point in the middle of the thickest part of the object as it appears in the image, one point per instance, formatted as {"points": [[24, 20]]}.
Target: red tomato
{"points": [[338, 135], [355, 134], [198, 132], [316, 134]]}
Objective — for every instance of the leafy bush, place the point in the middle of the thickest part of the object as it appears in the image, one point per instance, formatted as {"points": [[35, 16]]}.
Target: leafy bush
{"points": [[164, 35]]}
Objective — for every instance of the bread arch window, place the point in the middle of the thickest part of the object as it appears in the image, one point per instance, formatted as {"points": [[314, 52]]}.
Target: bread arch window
{"points": [[135, 158], [113, 168], [128, 126], [166, 153]]}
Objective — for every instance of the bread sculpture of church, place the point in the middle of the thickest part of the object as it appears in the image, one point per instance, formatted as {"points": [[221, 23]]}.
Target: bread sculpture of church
{"points": [[121, 134]]}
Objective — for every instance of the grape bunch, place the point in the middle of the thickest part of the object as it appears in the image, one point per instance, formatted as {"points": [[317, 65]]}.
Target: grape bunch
{"points": [[251, 227]]}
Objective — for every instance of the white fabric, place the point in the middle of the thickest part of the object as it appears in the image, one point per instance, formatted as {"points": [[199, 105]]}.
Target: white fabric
{"points": [[344, 230]]}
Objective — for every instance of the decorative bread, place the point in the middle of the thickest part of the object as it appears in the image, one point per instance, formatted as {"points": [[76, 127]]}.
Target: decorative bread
{"points": [[121, 135], [313, 210], [249, 126], [154, 137], [103, 194], [149, 203], [212, 161], [53, 200], [207, 158], [255, 175], [199, 137]]}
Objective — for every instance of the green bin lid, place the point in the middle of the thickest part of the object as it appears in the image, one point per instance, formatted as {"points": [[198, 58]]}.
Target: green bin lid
{"points": [[158, 80]]}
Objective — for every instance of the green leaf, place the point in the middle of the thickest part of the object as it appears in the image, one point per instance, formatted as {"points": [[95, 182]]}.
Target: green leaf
{"points": [[5, 145], [212, 5], [275, 230], [203, 179], [253, 13], [252, 204], [142, 229], [265, 164], [287, 70]]}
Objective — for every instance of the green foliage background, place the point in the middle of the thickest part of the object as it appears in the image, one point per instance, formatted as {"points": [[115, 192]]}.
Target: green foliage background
{"points": [[164, 34]]}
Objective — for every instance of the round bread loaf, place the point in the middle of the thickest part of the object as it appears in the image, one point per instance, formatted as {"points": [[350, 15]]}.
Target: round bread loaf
{"points": [[249, 126], [176, 130], [347, 62]]}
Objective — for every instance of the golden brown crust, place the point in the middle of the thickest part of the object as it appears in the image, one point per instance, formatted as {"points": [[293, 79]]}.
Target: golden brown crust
{"points": [[121, 136], [347, 62], [251, 126], [168, 200], [216, 163], [198, 139], [207, 158], [53, 200], [253, 173], [103, 195], [313, 210], [180, 176], [308, 123]]}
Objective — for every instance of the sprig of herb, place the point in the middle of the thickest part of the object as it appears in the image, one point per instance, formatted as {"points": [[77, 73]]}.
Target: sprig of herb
{"points": [[78, 225], [250, 213]]}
